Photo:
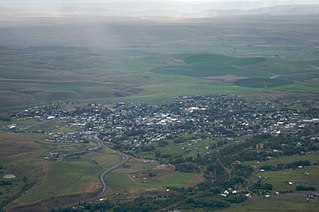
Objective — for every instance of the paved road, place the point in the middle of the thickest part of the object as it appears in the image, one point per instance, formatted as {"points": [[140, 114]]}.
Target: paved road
{"points": [[124, 159]]}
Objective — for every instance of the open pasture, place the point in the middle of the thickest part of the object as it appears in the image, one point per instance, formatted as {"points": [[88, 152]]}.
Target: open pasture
{"points": [[22, 154], [262, 82], [150, 60], [139, 176], [307, 176], [313, 157], [64, 178], [276, 203]]}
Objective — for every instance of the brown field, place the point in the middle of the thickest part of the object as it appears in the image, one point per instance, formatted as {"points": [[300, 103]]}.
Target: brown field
{"points": [[16, 146], [315, 80]]}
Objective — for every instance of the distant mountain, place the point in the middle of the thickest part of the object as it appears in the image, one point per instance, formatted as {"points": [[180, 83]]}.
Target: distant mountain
{"points": [[276, 10], [287, 10], [115, 9], [194, 10]]}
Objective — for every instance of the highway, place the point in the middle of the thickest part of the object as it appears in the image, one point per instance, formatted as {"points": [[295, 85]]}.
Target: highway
{"points": [[124, 159]]}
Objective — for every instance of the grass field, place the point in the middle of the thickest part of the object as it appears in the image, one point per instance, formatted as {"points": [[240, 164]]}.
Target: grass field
{"points": [[22, 155], [134, 179], [19, 152], [262, 82], [307, 176], [276, 203], [148, 61], [147, 76], [280, 179], [191, 147], [64, 178], [312, 157]]}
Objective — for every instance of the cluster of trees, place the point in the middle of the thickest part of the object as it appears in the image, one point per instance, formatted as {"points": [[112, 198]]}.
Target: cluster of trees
{"points": [[305, 188], [262, 186], [187, 167], [5, 182], [100, 206]]}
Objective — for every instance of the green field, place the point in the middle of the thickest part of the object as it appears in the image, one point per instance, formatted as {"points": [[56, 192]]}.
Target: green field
{"points": [[82, 60], [148, 77], [262, 82], [206, 65], [119, 182], [134, 178], [38, 179], [190, 147], [280, 179], [276, 203], [312, 157], [63, 178]]}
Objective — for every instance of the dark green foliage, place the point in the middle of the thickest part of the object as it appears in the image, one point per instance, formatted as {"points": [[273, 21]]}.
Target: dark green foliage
{"points": [[151, 174], [187, 167], [243, 171], [262, 186], [207, 202], [305, 188], [236, 198], [148, 148], [5, 182], [103, 205], [292, 165]]}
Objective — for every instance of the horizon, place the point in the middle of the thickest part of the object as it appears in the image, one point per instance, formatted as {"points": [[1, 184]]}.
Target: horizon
{"points": [[143, 5]]}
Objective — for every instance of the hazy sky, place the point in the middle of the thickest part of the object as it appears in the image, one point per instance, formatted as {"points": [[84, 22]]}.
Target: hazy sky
{"points": [[142, 4]]}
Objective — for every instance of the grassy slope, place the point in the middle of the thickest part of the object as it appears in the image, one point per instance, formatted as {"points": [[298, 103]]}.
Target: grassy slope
{"points": [[130, 179], [21, 154], [280, 203], [280, 179], [147, 77], [63, 178]]}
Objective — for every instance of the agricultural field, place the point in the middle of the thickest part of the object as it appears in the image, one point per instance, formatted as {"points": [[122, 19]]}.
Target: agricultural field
{"points": [[313, 157], [286, 180], [276, 203], [188, 146], [36, 179], [19, 154], [139, 176], [35, 71], [307, 176], [150, 61]]}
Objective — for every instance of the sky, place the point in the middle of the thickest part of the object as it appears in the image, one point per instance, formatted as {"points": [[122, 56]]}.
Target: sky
{"points": [[142, 5]]}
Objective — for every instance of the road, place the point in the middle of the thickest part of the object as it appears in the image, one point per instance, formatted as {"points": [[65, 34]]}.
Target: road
{"points": [[228, 172], [34, 125], [124, 159], [251, 178]]}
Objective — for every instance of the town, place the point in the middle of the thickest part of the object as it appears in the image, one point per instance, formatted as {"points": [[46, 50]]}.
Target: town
{"points": [[230, 140], [226, 117]]}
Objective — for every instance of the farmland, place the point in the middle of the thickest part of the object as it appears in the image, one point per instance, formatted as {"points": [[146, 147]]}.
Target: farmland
{"points": [[133, 70], [138, 177], [284, 203], [39, 179], [195, 103]]}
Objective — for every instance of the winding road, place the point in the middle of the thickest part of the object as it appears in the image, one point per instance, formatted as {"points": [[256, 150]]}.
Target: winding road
{"points": [[124, 159]]}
